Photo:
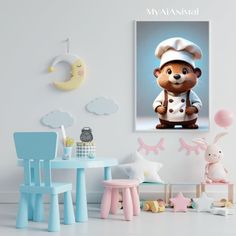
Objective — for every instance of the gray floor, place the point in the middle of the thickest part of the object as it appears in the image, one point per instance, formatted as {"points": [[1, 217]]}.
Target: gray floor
{"points": [[147, 224]]}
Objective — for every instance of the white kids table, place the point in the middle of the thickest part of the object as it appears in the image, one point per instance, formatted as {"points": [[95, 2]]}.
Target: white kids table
{"points": [[80, 164]]}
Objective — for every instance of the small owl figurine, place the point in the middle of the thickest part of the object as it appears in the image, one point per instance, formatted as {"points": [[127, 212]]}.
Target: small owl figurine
{"points": [[86, 135]]}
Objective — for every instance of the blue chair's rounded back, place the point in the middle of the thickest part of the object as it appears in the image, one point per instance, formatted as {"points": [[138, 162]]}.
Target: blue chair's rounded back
{"points": [[36, 145]]}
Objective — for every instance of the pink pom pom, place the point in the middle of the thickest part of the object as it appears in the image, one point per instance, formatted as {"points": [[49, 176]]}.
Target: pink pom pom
{"points": [[224, 118]]}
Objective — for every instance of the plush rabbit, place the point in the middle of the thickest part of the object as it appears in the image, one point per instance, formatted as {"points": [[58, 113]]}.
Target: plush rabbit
{"points": [[214, 170]]}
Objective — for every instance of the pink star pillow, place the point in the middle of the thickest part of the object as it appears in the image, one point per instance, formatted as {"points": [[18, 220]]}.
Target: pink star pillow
{"points": [[180, 202]]}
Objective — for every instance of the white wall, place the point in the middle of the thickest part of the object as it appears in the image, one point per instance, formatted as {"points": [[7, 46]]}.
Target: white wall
{"points": [[101, 34]]}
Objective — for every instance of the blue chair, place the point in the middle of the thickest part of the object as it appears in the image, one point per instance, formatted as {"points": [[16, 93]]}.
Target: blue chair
{"points": [[37, 149]]}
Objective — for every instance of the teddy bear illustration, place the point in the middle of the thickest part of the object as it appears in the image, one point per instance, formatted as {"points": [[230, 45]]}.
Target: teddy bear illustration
{"points": [[177, 75]]}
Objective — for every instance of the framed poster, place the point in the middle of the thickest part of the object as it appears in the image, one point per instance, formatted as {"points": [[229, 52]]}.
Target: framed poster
{"points": [[171, 75]]}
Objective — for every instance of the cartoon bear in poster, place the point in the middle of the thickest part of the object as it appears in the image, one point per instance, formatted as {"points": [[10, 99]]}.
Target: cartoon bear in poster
{"points": [[177, 104]]}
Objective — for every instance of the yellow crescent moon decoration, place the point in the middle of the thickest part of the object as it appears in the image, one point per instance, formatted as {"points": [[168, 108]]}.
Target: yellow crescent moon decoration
{"points": [[77, 72]]}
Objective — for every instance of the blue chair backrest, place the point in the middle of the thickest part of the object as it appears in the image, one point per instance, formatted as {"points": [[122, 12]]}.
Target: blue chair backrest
{"points": [[36, 149]]}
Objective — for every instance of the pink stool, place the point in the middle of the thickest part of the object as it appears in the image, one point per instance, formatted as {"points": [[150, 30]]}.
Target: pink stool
{"points": [[110, 199]]}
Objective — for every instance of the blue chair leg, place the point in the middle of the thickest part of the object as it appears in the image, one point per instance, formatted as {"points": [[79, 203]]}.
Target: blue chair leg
{"points": [[22, 214], [69, 217], [54, 216], [81, 211], [31, 203], [107, 173], [38, 209], [31, 199]]}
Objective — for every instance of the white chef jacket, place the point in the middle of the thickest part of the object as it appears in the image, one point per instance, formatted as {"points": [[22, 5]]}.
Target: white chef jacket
{"points": [[177, 105]]}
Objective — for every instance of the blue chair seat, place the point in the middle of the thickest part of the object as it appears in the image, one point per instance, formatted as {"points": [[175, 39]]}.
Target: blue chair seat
{"points": [[55, 188]]}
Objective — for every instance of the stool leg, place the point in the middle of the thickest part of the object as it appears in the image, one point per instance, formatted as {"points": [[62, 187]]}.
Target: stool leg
{"points": [[106, 203], [231, 193], [135, 201], [54, 216], [114, 200], [127, 204], [69, 217], [22, 214]]}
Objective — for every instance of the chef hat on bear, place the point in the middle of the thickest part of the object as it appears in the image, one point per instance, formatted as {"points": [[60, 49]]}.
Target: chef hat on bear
{"points": [[178, 49]]}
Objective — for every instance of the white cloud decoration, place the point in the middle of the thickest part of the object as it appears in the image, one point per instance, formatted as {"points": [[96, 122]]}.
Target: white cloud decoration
{"points": [[57, 118], [102, 106]]}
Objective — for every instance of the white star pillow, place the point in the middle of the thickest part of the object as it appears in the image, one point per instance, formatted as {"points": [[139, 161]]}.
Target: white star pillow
{"points": [[204, 203], [142, 169]]}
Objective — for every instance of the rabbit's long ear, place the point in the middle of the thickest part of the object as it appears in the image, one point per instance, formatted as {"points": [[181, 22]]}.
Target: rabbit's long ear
{"points": [[219, 136], [201, 141]]}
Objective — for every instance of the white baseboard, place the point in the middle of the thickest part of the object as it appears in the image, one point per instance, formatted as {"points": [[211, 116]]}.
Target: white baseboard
{"points": [[95, 197]]}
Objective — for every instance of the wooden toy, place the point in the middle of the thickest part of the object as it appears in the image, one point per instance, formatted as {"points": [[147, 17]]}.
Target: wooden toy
{"points": [[37, 149], [223, 203], [154, 206], [110, 199]]}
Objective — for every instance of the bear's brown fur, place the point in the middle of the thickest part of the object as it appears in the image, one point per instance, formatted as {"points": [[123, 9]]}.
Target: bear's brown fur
{"points": [[188, 79]]}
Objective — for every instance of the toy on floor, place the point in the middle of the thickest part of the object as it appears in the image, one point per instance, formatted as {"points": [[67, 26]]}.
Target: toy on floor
{"points": [[223, 203], [180, 202], [154, 206], [222, 211], [204, 203], [192, 204], [214, 170]]}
